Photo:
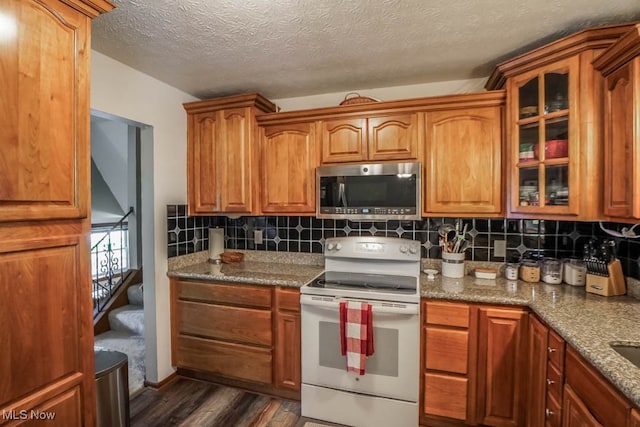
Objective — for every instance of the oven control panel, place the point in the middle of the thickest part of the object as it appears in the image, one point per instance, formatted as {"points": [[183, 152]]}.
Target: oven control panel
{"points": [[391, 248]]}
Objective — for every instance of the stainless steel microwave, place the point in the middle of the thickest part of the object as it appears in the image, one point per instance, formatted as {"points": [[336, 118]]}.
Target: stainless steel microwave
{"points": [[368, 192]]}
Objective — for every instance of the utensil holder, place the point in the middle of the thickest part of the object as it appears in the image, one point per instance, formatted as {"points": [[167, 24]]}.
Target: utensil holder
{"points": [[453, 264]]}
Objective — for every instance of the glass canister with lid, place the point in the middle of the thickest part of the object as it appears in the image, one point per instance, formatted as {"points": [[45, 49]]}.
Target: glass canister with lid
{"points": [[530, 270], [511, 270], [551, 271]]}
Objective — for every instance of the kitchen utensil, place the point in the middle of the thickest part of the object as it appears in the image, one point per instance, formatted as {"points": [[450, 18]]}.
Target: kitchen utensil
{"points": [[609, 284], [452, 264]]}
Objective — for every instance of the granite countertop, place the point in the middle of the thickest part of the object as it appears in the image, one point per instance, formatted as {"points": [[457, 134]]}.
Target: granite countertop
{"points": [[589, 323]]}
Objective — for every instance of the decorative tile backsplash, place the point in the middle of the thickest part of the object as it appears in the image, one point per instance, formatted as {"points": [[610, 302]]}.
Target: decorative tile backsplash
{"points": [[557, 239]]}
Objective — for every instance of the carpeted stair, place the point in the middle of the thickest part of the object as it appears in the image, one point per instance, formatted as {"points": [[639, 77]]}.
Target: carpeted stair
{"points": [[127, 336]]}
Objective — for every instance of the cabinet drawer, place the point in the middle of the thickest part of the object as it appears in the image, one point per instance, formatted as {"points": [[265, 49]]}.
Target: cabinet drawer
{"points": [[288, 299], [445, 396], [446, 349], [447, 314], [601, 398], [255, 296], [556, 350], [238, 324], [554, 381], [226, 359], [553, 412]]}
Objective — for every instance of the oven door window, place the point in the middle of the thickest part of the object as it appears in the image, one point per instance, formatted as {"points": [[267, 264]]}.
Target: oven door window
{"points": [[384, 361]]}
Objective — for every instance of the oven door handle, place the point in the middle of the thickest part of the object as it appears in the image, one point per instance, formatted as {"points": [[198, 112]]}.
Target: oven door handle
{"points": [[377, 306]]}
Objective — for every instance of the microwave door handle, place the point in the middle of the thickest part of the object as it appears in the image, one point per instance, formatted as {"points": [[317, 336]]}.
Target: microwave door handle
{"points": [[342, 198]]}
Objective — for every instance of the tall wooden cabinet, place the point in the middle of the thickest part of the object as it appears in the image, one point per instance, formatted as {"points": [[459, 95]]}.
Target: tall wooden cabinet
{"points": [[222, 164], [289, 154], [501, 356], [46, 320], [462, 163], [620, 66], [554, 127]]}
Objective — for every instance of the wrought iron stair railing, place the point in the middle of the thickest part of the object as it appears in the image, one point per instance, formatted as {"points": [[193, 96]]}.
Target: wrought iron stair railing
{"points": [[109, 261]]}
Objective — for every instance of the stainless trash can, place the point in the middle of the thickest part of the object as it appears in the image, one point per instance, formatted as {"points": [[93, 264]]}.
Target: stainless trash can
{"points": [[112, 389]]}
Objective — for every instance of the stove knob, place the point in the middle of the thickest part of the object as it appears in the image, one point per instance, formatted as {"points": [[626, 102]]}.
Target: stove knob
{"points": [[403, 249], [413, 250], [330, 246], [338, 246]]}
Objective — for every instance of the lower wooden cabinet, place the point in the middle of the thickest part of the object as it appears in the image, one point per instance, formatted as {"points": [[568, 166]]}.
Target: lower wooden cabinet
{"points": [[287, 361], [501, 366], [238, 332], [634, 418], [576, 413]]}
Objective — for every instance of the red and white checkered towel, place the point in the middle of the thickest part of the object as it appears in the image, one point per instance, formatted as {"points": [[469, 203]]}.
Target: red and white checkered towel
{"points": [[356, 334]]}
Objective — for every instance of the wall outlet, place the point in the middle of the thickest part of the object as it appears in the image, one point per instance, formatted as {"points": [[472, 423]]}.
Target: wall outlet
{"points": [[257, 237], [500, 248]]}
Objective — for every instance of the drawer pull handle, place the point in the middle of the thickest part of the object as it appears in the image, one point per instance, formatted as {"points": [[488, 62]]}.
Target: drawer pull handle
{"points": [[551, 350], [548, 413], [549, 382]]}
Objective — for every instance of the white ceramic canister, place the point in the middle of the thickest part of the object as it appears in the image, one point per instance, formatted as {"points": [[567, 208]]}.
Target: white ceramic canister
{"points": [[452, 264]]}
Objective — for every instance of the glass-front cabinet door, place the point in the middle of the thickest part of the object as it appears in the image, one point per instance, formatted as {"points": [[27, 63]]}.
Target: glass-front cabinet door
{"points": [[544, 156]]}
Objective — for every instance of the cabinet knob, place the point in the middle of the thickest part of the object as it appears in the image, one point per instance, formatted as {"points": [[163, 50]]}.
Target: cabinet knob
{"points": [[549, 382], [548, 412], [551, 349]]}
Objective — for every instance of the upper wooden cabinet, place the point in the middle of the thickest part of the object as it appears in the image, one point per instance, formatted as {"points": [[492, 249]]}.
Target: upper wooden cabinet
{"points": [[221, 164], [44, 155], [554, 127], [46, 320], [462, 165], [388, 137], [289, 154], [620, 66]]}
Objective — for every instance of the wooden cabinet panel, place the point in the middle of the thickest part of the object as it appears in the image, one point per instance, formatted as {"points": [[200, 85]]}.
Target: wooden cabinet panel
{"points": [[575, 412], [605, 404], [288, 299], [447, 350], [554, 381], [634, 419], [344, 140], [621, 148], [203, 162], [553, 412], [227, 359], [46, 319], [287, 369], [393, 137], [445, 396], [239, 324], [537, 389], [447, 314], [235, 160], [62, 411], [44, 155], [463, 170], [501, 359], [556, 349], [245, 295], [289, 156]]}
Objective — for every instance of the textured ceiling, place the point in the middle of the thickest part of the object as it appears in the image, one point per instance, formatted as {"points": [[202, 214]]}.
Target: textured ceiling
{"points": [[286, 48]]}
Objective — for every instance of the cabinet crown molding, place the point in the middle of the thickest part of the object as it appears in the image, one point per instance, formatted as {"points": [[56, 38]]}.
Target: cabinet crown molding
{"points": [[620, 52], [91, 8], [593, 38], [234, 101]]}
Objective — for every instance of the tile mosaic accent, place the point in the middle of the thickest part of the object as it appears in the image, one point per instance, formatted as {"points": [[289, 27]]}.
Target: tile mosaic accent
{"points": [[559, 239]]}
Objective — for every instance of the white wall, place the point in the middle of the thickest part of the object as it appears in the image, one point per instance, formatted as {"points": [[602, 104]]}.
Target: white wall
{"points": [[393, 93], [122, 91], [109, 141]]}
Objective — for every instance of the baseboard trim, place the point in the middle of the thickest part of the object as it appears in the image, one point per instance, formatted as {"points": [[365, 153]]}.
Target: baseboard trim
{"points": [[163, 383]]}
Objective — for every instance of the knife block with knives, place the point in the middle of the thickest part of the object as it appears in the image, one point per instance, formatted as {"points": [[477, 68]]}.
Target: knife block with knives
{"points": [[604, 271], [606, 280]]}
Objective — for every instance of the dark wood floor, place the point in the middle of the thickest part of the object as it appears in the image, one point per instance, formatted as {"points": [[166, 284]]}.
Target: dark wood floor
{"points": [[187, 402]]}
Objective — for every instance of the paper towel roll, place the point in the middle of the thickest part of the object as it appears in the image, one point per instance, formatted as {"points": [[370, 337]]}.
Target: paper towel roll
{"points": [[216, 243]]}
